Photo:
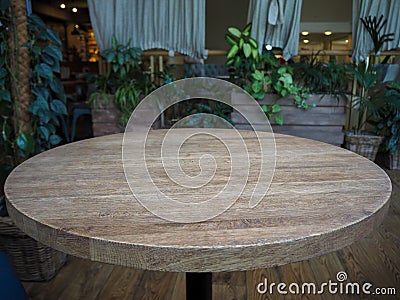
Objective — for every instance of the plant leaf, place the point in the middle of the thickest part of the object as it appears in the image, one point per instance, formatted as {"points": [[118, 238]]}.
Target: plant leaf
{"points": [[247, 28], [279, 119], [235, 32], [229, 40], [58, 107], [55, 139], [25, 142], [53, 51], [43, 70], [232, 52], [276, 108], [53, 36], [44, 132], [5, 95], [246, 50]]}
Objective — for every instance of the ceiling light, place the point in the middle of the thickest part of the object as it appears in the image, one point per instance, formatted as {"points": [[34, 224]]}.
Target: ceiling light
{"points": [[347, 41], [75, 31], [328, 32], [62, 5], [306, 41], [305, 33], [268, 47], [74, 9]]}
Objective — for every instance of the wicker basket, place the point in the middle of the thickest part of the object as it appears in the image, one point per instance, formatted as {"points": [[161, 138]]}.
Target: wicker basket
{"points": [[365, 145], [32, 260], [392, 160]]}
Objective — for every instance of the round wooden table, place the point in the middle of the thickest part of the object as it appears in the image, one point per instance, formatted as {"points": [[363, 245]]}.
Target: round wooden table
{"points": [[75, 198]]}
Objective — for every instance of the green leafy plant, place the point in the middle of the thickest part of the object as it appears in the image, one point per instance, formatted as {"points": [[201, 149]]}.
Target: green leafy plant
{"points": [[48, 96], [374, 26], [125, 79], [364, 103], [210, 107], [47, 102], [7, 138], [317, 77], [259, 74], [365, 78], [243, 54], [389, 120]]}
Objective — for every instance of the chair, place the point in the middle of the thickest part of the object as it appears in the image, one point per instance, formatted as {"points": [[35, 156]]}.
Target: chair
{"points": [[10, 286], [78, 110], [75, 111]]}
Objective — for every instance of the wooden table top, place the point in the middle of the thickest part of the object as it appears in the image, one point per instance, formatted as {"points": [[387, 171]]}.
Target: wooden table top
{"points": [[75, 198]]}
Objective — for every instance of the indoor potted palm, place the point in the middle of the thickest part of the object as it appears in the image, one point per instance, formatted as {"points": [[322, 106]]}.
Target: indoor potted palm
{"points": [[327, 84], [389, 125], [365, 105]]}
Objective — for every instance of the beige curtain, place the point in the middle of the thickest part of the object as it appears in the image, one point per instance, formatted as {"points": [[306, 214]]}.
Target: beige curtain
{"points": [[174, 25], [362, 43], [276, 23]]}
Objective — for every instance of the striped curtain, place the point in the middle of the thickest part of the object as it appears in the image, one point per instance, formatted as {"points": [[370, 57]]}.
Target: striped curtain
{"points": [[276, 23], [174, 25], [362, 43]]}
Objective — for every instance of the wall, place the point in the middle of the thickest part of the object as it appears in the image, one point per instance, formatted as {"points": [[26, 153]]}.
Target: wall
{"points": [[221, 14], [326, 11]]}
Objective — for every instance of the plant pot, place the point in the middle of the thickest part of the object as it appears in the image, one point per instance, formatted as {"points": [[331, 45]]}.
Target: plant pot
{"points": [[363, 144], [389, 160], [31, 260], [105, 117], [322, 123]]}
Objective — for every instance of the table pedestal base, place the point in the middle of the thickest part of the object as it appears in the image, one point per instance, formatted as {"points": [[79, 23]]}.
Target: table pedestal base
{"points": [[198, 286]]}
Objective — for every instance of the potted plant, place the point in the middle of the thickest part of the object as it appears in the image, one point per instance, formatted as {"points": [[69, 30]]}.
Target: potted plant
{"points": [[118, 91], [260, 73], [365, 105], [327, 85], [29, 123], [271, 83], [389, 125]]}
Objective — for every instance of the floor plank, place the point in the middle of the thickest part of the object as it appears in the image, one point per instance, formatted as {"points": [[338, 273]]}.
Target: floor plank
{"points": [[374, 259]]}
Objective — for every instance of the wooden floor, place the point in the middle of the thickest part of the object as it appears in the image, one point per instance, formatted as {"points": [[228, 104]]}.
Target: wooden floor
{"points": [[374, 259]]}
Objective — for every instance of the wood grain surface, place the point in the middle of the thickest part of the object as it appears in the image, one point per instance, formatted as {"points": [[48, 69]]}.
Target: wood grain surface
{"points": [[75, 198]]}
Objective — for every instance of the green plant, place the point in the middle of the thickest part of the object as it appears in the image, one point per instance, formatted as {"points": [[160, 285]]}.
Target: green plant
{"points": [[243, 54], [7, 138], [364, 103], [124, 79], [259, 74], [322, 78], [210, 107], [48, 98], [47, 101], [389, 118], [365, 79], [374, 27]]}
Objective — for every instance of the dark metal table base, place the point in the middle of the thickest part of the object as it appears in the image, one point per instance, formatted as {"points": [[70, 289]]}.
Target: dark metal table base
{"points": [[198, 286]]}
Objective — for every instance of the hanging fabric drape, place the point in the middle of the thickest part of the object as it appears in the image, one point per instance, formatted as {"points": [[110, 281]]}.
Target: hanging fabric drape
{"points": [[276, 23], [362, 43], [174, 25]]}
